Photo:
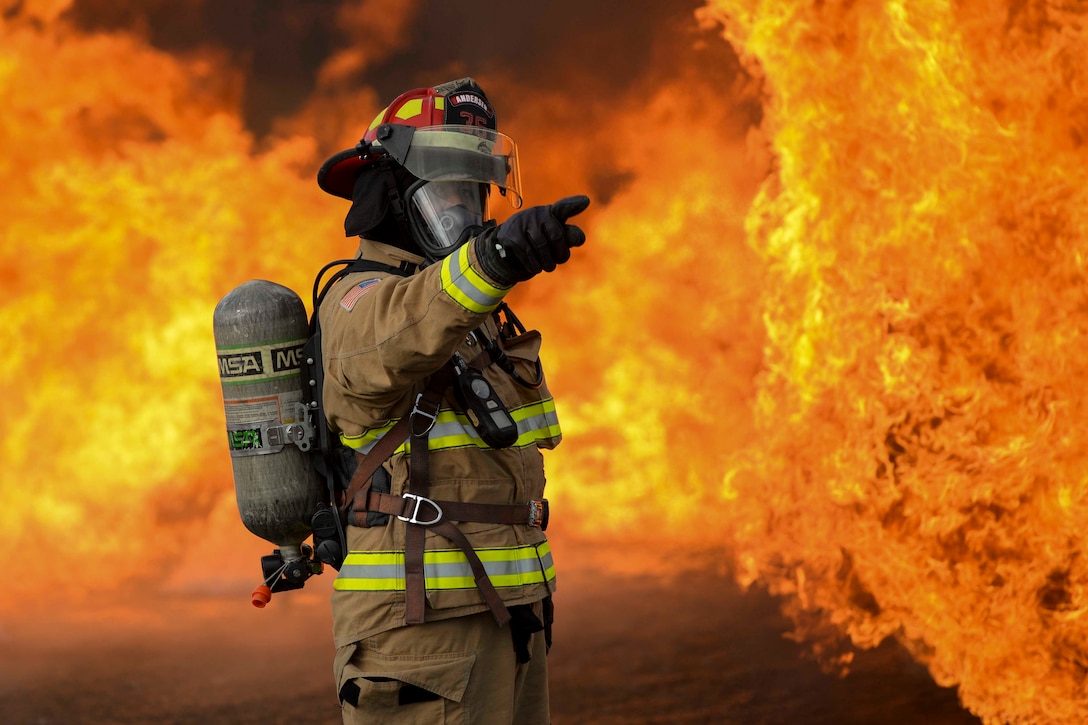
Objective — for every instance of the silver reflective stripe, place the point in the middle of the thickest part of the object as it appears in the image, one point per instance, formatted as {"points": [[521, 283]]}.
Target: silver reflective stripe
{"points": [[482, 300], [467, 286], [535, 422], [446, 569], [365, 441]]}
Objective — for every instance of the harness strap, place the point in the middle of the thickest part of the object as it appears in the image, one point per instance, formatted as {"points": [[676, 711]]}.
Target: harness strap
{"points": [[360, 497], [427, 405], [368, 463], [415, 536], [534, 513], [479, 574]]}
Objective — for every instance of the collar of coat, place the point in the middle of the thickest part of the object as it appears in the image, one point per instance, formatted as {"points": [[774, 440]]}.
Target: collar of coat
{"points": [[386, 253]]}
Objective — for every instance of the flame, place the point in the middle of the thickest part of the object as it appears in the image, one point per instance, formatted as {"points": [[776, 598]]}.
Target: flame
{"points": [[840, 348], [919, 471], [134, 199]]}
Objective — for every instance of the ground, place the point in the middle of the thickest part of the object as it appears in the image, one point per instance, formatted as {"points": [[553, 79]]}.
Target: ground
{"points": [[627, 649]]}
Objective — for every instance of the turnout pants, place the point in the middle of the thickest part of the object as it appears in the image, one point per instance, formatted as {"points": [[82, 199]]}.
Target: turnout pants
{"points": [[460, 670]]}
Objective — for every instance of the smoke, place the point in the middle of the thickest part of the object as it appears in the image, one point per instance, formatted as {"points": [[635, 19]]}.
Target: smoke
{"points": [[287, 50], [321, 70]]}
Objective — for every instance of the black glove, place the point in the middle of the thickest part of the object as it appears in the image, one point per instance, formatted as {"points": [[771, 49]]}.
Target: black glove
{"points": [[531, 241]]}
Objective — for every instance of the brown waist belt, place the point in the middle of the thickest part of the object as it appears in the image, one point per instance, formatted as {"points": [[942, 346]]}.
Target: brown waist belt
{"points": [[421, 513], [421, 510]]}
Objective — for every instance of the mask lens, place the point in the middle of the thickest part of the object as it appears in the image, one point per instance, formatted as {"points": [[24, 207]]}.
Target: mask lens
{"points": [[446, 209]]}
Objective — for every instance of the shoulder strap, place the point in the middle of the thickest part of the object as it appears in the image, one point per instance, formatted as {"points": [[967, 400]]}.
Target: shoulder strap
{"points": [[314, 378], [351, 266], [427, 405], [311, 357], [324, 454]]}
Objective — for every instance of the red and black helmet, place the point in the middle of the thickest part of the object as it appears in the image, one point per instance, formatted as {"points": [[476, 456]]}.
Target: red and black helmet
{"points": [[440, 110], [447, 151]]}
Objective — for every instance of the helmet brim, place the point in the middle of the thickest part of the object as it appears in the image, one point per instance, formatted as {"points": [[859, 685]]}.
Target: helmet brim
{"points": [[337, 175]]}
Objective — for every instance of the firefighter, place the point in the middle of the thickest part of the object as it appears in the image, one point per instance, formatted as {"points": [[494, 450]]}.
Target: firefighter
{"points": [[442, 605]]}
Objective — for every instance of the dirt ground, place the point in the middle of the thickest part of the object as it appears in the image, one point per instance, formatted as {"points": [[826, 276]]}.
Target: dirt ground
{"points": [[627, 650]]}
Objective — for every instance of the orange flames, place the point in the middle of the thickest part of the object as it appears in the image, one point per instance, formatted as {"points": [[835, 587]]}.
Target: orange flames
{"points": [[862, 383], [920, 468], [133, 199]]}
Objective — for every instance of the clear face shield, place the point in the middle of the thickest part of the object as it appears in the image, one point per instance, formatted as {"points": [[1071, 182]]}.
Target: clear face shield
{"points": [[456, 167]]}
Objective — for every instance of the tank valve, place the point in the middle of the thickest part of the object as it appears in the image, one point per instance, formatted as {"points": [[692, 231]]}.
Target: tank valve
{"points": [[285, 569]]}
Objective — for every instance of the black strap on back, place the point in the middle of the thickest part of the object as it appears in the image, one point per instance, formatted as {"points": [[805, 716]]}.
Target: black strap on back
{"points": [[312, 351], [352, 266], [329, 460]]}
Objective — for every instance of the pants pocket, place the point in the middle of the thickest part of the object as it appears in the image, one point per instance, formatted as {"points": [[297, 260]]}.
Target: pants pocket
{"points": [[375, 686]]}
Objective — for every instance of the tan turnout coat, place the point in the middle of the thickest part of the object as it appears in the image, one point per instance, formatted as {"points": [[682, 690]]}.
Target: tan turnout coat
{"points": [[381, 340]]}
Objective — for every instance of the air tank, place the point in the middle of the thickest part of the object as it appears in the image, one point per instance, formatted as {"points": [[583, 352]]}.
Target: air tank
{"points": [[260, 330]]}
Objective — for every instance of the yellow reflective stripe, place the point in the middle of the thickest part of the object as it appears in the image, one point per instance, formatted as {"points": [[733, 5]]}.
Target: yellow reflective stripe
{"points": [[366, 440], [449, 556], [350, 584], [377, 120], [538, 419], [376, 558], [459, 438], [466, 286], [410, 109], [440, 103], [446, 569], [535, 421]]}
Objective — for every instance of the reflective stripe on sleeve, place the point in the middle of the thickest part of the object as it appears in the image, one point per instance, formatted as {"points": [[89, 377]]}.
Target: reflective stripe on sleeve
{"points": [[446, 569], [537, 422], [366, 440], [466, 286]]}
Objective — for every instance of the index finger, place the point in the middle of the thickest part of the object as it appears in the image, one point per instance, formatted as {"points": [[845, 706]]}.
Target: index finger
{"points": [[569, 206]]}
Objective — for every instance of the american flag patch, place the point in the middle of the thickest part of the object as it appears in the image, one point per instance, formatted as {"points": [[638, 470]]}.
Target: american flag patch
{"points": [[353, 295]]}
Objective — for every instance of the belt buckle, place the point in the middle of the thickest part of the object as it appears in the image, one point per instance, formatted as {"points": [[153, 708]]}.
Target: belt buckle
{"points": [[538, 513], [414, 518]]}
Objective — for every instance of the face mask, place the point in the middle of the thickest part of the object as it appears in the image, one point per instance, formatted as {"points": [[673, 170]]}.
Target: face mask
{"points": [[445, 213]]}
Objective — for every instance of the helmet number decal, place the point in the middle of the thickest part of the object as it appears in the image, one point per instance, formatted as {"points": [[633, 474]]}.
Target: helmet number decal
{"points": [[471, 119]]}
